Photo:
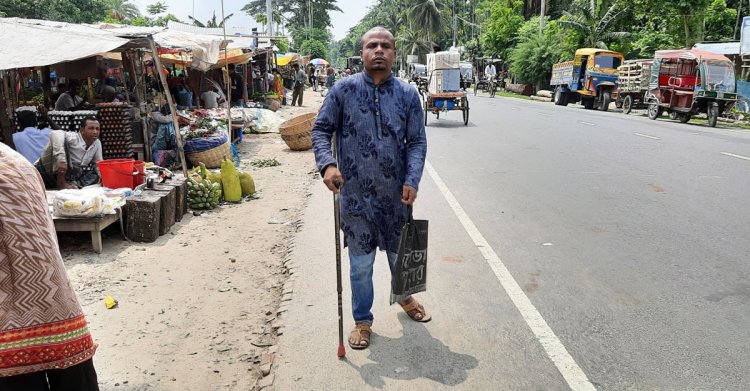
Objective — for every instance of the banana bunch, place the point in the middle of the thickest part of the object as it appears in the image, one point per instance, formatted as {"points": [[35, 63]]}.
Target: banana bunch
{"points": [[203, 195]]}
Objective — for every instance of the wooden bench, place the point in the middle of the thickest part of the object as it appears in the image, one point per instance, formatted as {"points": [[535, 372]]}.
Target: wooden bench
{"points": [[95, 225]]}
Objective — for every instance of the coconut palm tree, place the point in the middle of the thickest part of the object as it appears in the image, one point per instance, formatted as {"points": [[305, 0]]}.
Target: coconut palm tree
{"points": [[211, 23], [584, 18], [122, 10], [157, 8], [425, 15], [408, 42]]}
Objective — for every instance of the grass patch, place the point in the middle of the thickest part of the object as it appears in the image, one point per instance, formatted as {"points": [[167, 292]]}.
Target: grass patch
{"points": [[512, 95], [260, 163]]}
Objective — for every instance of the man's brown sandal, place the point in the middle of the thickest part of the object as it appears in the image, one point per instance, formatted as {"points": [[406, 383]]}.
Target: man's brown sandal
{"points": [[360, 337], [416, 311]]}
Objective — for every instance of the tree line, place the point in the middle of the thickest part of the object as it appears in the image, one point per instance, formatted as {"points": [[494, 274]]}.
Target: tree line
{"points": [[512, 29]]}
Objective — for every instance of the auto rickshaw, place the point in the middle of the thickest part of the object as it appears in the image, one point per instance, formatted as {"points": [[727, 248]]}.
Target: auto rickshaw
{"points": [[687, 82], [590, 77]]}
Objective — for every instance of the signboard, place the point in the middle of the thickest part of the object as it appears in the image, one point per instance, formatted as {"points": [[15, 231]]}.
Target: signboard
{"points": [[745, 37]]}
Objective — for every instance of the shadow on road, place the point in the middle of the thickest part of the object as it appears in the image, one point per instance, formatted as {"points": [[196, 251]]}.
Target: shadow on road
{"points": [[416, 354]]}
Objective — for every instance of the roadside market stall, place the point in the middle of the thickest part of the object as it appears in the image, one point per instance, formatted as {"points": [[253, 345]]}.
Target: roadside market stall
{"points": [[64, 48]]}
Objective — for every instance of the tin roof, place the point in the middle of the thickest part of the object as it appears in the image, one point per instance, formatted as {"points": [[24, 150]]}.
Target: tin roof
{"points": [[595, 51], [692, 54], [726, 48]]}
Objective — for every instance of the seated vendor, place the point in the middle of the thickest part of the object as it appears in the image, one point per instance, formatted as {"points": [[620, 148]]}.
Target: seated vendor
{"points": [[69, 159], [30, 142], [109, 89], [69, 99], [211, 98]]}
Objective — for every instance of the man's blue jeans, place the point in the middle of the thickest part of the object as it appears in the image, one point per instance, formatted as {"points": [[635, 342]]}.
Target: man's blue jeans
{"points": [[360, 275]]}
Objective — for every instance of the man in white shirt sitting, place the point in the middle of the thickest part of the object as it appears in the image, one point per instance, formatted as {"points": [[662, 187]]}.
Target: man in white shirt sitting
{"points": [[30, 142], [211, 98], [69, 159], [69, 100]]}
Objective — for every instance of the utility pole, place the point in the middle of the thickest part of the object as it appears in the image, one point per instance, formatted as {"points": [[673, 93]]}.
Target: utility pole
{"points": [[541, 19], [269, 16], [455, 23]]}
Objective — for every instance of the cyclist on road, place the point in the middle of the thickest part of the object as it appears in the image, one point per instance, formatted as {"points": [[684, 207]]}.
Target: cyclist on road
{"points": [[490, 72]]}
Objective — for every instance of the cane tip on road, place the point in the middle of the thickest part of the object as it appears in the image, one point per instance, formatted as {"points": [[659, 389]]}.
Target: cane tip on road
{"points": [[342, 351]]}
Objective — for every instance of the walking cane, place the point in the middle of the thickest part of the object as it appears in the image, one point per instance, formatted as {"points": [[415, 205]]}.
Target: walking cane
{"points": [[337, 223]]}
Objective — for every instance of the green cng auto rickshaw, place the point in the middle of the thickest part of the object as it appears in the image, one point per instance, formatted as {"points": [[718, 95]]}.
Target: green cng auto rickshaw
{"points": [[688, 82]]}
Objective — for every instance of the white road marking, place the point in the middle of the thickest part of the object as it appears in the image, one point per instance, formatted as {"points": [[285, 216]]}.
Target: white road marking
{"points": [[587, 123], [573, 374], [647, 136], [737, 156]]}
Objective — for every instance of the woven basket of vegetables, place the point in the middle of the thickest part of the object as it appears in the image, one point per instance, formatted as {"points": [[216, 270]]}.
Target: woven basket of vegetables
{"points": [[213, 157]]}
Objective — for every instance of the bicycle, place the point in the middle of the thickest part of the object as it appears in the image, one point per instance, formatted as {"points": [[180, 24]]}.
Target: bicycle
{"points": [[740, 111], [490, 87]]}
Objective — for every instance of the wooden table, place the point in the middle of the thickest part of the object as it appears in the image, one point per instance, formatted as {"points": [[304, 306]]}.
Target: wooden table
{"points": [[95, 225]]}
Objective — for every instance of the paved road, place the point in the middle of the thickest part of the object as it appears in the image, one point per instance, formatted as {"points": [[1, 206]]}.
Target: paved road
{"points": [[568, 249]]}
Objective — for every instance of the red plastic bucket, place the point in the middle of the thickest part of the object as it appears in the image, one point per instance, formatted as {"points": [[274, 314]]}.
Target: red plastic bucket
{"points": [[117, 173]]}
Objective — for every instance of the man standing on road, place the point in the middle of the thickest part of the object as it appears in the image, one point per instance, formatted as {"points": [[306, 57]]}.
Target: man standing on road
{"points": [[381, 146], [45, 340], [299, 86]]}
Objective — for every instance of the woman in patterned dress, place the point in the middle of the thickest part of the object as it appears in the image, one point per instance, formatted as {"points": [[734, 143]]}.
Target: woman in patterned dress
{"points": [[45, 342]]}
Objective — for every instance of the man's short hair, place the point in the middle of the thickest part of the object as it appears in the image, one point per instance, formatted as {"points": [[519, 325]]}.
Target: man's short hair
{"points": [[87, 119], [376, 29], [26, 119], [296, 66]]}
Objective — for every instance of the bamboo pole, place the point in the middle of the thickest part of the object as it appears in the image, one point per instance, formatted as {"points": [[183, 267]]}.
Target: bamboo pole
{"points": [[227, 79], [170, 102]]}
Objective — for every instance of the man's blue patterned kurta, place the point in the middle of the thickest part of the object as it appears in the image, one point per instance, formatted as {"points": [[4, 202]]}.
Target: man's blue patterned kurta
{"points": [[381, 146]]}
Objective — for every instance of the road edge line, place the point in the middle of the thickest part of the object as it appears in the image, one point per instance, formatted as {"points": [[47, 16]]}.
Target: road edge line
{"points": [[556, 351]]}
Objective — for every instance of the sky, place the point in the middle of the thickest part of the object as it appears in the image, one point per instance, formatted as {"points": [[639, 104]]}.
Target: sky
{"points": [[354, 10]]}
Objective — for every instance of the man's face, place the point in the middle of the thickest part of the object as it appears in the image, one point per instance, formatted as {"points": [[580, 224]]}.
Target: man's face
{"points": [[378, 51], [90, 131]]}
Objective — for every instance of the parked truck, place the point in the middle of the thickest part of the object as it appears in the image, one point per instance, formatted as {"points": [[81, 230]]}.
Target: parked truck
{"points": [[591, 78]]}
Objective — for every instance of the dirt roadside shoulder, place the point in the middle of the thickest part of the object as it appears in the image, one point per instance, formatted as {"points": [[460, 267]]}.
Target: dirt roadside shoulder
{"points": [[201, 308]]}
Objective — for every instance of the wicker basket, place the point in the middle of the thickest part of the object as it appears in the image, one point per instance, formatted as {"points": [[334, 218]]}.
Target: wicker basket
{"points": [[297, 132], [212, 158]]}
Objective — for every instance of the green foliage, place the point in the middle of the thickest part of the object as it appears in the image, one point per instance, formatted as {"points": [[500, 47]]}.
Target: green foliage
{"points": [[211, 23], [157, 8], [302, 34], [72, 11], [141, 21], [501, 28], [122, 11], [314, 48], [532, 59], [162, 21], [719, 21], [283, 45], [297, 13], [425, 16], [594, 24]]}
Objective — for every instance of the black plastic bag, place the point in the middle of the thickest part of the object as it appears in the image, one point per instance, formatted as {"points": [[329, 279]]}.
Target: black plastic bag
{"points": [[409, 276]]}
